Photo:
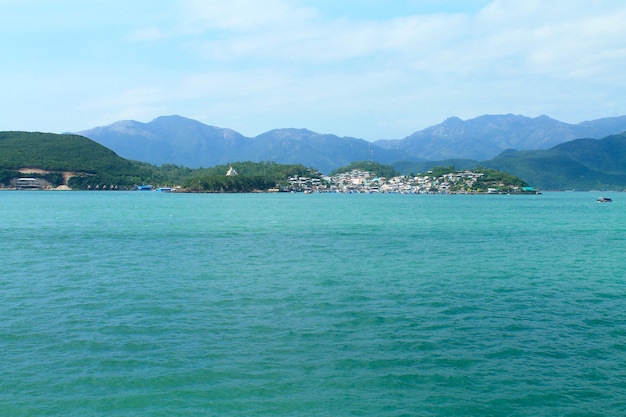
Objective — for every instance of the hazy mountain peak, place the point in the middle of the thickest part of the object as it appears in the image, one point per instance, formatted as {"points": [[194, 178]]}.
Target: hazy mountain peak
{"points": [[174, 117], [289, 132], [179, 140], [174, 120], [124, 127], [452, 121]]}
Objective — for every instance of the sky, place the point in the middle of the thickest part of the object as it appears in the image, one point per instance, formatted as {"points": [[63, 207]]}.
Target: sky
{"points": [[372, 69]]}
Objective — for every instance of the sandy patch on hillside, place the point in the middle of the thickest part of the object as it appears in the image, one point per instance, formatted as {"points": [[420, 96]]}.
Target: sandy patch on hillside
{"points": [[66, 174]]}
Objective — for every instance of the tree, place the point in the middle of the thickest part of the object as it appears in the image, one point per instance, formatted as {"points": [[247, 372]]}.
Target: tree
{"points": [[374, 168]]}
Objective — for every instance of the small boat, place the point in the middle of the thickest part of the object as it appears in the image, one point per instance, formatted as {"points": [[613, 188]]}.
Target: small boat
{"points": [[604, 200], [144, 188], [164, 189]]}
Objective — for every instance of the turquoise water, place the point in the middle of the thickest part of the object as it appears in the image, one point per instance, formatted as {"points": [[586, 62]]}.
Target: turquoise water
{"points": [[149, 304]]}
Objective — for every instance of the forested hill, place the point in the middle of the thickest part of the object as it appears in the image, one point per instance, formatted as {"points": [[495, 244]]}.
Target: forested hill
{"points": [[581, 164], [81, 163], [68, 159], [53, 152]]}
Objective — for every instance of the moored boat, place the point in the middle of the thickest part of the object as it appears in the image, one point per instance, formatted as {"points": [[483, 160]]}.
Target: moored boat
{"points": [[604, 200]]}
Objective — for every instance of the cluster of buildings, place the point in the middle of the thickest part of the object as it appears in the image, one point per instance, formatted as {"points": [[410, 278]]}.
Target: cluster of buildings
{"points": [[28, 183], [358, 181], [459, 182]]}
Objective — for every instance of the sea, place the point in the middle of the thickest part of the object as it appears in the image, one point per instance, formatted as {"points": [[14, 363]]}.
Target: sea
{"points": [[120, 303]]}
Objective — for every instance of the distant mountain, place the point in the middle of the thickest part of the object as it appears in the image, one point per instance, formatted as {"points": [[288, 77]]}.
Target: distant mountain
{"points": [[170, 140], [487, 136], [181, 141], [582, 164], [321, 151]]}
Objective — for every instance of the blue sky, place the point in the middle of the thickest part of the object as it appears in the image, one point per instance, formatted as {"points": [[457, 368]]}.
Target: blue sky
{"points": [[371, 69]]}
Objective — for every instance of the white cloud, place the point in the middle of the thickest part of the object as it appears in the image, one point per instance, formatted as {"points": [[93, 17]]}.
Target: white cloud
{"points": [[257, 65], [240, 15], [287, 62], [539, 36], [301, 35]]}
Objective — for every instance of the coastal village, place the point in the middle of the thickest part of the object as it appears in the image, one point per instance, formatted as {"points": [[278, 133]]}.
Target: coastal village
{"points": [[440, 181], [357, 181]]}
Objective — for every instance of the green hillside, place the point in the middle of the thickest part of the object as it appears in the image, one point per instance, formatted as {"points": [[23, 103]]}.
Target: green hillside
{"points": [[93, 166], [582, 164], [250, 176], [374, 168], [66, 153], [58, 153], [408, 167]]}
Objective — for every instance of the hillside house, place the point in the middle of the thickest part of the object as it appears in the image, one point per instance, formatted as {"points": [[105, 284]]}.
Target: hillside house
{"points": [[28, 183]]}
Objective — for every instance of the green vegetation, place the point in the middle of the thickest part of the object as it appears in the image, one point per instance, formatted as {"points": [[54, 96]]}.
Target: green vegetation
{"points": [[476, 180], [412, 168], [6, 175], [497, 179], [82, 163], [167, 175], [229, 184], [251, 176], [582, 164], [271, 170], [376, 169], [58, 153], [440, 171], [92, 166]]}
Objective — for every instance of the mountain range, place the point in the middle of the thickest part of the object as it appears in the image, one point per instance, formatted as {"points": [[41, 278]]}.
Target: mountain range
{"points": [[487, 136], [182, 141], [583, 164]]}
